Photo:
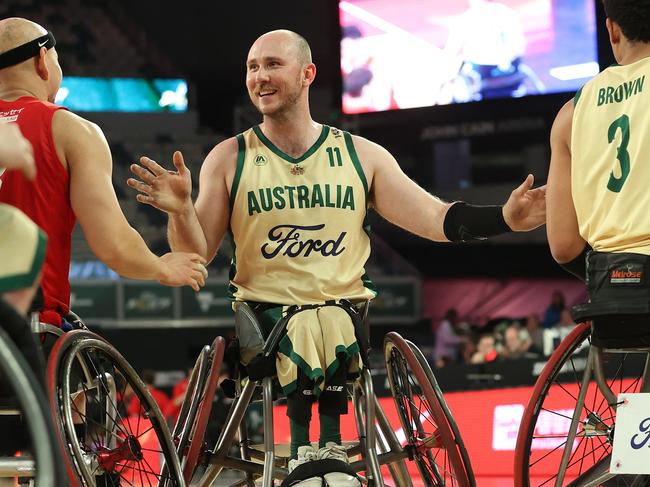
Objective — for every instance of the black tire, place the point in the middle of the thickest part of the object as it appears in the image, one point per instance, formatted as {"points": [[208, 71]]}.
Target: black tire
{"points": [[445, 407], [31, 401], [429, 438], [105, 446]]}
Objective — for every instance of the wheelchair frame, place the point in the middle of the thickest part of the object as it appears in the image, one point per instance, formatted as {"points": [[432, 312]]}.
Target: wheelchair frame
{"points": [[591, 424], [429, 429], [377, 447]]}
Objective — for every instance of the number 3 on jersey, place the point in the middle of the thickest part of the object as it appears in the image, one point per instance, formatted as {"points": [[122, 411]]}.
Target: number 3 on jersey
{"points": [[622, 155]]}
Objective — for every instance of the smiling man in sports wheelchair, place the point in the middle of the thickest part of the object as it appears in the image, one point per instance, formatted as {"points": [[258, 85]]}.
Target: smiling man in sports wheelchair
{"points": [[294, 196]]}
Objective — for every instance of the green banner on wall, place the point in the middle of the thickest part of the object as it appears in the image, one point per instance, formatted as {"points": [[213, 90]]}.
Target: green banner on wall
{"points": [[148, 301]]}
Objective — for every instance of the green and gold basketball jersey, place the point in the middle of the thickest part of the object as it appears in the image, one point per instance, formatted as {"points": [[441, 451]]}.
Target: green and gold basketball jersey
{"points": [[298, 225], [610, 159]]}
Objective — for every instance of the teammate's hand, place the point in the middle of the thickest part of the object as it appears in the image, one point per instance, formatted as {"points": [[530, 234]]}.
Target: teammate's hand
{"points": [[169, 191], [183, 269], [15, 150], [526, 208]]}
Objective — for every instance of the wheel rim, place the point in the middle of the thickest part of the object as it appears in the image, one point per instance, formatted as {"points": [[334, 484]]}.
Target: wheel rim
{"points": [[427, 437], [547, 427], [112, 446]]}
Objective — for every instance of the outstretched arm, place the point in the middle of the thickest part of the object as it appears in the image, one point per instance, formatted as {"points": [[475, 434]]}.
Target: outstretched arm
{"points": [[192, 227], [402, 202], [95, 204]]}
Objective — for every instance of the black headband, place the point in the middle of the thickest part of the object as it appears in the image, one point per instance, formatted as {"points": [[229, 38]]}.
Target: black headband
{"points": [[27, 50]]}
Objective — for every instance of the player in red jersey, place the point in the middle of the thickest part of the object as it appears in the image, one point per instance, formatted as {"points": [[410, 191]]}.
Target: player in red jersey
{"points": [[73, 181], [18, 234]]}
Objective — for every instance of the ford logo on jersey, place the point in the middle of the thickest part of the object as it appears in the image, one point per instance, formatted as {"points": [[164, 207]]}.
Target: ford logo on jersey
{"points": [[640, 439], [288, 240]]}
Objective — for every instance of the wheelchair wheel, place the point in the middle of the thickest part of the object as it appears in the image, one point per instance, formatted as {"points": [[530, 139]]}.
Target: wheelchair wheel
{"points": [[428, 437], [187, 413], [204, 400], [20, 383], [544, 429], [108, 441]]}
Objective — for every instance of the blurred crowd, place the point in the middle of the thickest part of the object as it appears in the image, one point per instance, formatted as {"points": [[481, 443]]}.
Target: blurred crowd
{"points": [[461, 341]]}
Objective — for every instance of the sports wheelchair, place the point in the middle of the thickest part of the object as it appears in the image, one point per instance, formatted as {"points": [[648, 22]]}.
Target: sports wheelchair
{"points": [[109, 427], [429, 439], [567, 430], [26, 425], [88, 381]]}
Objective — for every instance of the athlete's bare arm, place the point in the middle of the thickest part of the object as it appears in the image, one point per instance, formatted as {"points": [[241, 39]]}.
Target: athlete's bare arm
{"points": [[398, 198], [198, 227], [213, 201], [83, 148], [401, 201], [562, 225]]}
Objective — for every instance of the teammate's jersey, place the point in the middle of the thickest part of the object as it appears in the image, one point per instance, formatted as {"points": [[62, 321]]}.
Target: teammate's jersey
{"points": [[46, 200], [298, 225], [610, 159]]}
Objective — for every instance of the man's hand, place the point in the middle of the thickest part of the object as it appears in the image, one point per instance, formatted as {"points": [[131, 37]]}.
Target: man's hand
{"points": [[169, 191], [15, 150], [183, 269], [526, 208]]}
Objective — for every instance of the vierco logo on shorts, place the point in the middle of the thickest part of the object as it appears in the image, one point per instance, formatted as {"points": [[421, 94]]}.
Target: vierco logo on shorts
{"points": [[260, 160], [627, 274]]}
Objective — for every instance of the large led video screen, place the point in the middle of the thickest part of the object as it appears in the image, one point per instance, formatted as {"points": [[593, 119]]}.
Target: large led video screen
{"points": [[419, 53], [86, 94]]}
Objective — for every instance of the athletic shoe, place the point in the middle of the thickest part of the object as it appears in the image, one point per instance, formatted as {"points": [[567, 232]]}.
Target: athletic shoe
{"points": [[305, 454], [333, 451]]}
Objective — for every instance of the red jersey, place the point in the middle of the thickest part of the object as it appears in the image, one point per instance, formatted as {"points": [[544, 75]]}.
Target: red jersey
{"points": [[46, 200], [134, 408]]}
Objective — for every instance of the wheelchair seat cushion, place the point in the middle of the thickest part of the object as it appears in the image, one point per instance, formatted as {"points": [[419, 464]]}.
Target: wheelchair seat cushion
{"points": [[249, 333]]}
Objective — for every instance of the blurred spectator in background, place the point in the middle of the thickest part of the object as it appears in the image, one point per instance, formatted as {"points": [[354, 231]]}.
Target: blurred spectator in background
{"points": [[565, 320], [450, 335], [553, 312], [159, 396], [535, 331], [486, 350], [516, 342]]}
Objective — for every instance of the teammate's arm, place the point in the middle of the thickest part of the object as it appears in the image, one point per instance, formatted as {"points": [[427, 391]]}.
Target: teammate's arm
{"points": [[562, 225], [93, 199], [402, 202]]}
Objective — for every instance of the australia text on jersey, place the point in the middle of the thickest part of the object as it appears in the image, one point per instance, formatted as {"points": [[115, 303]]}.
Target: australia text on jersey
{"points": [[302, 196]]}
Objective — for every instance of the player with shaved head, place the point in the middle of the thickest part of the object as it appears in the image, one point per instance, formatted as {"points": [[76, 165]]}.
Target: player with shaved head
{"points": [[294, 194], [73, 180]]}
